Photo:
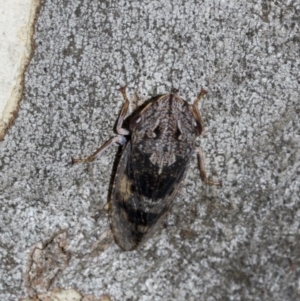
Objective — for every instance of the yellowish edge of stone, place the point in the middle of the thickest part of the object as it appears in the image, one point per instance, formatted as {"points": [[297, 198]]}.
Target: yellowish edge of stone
{"points": [[12, 106]]}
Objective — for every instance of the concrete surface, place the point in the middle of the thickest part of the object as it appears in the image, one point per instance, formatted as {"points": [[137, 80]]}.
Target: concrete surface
{"points": [[240, 242]]}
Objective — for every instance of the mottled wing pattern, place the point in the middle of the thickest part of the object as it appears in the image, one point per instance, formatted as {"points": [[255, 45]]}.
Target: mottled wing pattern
{"points": [[121, 196], [152, 183], [155, 189], [142, 197]]}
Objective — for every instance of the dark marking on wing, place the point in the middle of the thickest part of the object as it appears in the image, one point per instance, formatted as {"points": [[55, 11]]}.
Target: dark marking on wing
{"points": [[157, 132], [148, 181], [142, 198], [137, 216]]}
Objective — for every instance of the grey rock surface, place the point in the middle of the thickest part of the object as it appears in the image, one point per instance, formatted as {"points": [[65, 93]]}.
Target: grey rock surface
{"points": [[240, 242]]}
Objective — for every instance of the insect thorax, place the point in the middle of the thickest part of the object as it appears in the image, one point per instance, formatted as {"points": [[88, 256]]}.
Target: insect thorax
{"points": [[166, 131]]}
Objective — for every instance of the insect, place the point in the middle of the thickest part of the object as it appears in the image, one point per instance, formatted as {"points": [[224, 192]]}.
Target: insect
{"points": [[156, 154]]}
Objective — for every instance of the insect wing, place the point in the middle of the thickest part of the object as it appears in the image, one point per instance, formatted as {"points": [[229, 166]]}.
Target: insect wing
{"points": [[142, 197], [153, 183], [120, 198], [155, 191]]}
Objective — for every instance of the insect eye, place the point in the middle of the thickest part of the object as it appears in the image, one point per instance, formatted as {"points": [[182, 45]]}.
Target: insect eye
{"points": [[135, 121]]}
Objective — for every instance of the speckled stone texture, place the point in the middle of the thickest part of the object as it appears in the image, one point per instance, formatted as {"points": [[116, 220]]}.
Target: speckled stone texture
{"points": [[240, 242]]}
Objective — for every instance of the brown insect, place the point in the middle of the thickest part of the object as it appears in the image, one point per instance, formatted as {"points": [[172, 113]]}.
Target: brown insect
{"points": [[153, 164]]}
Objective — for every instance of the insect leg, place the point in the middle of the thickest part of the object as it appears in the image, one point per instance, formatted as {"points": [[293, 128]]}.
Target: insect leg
{"points": [[203, 175], [117, 139], [196, 110], [120, 130]]}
